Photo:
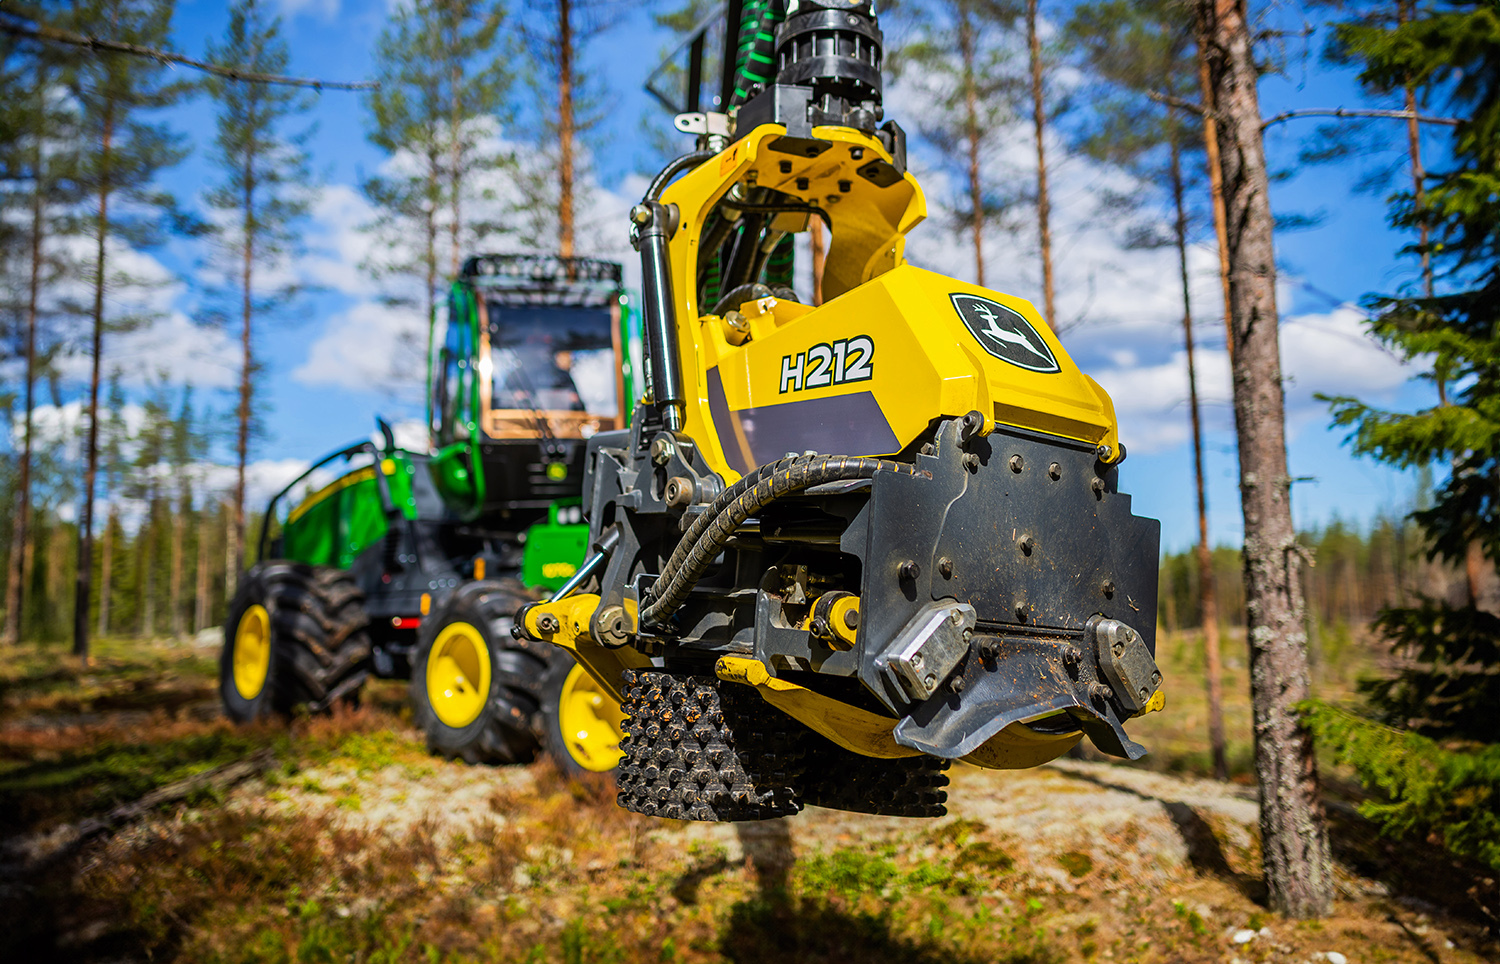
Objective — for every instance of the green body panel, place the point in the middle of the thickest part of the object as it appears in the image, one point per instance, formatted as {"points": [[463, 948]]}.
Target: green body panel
{"points": [[554, 550], [338, 522]]}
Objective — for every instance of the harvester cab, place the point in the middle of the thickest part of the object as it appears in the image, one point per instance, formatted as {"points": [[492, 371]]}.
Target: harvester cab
{"points": [[843, 544], [412, 565]]}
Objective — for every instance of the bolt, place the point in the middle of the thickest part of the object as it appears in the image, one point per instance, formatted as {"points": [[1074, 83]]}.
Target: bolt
{"points": [[969, 426], [1072, 656], [1054, 471], [916, 661], [1104, 452], [945, 567], [1109, 588], [548, 623], [1118, 649], [641, 214], [968, 635], [662, 449], [971, 462], [734, 319], [1020, 612], [1156, 679], [956, 617], [931, 680], [929, 449], [956, 684], [1098, 486], [613, 625], [1100, 691], [1025, 544], [856, 152], [1016, 463], [679, 491], [851, 618], [909, 570], [989, 648]]}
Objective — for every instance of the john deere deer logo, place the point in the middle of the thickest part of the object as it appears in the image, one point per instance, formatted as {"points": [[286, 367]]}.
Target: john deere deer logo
{"points": [[1005, 334]]}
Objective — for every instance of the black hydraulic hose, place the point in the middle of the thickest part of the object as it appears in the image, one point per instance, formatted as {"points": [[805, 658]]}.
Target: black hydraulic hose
{"points": [[709, 533], [782, 209], [683, 163]]}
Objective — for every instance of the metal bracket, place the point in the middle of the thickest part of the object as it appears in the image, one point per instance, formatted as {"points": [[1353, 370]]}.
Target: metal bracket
{"points": [[702, 122], [927, 648], [1125, 662]]}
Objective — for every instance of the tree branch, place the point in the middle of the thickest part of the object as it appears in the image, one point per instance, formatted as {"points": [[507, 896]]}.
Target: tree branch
{"points": [[1177, 102], [1341, 112], [35, 31]]}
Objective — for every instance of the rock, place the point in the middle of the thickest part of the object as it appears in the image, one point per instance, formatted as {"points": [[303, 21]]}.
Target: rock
{"points": [[1334, 957], [1243, 936]]}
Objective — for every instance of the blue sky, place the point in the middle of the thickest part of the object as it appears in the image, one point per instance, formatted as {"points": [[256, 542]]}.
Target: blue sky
{"points": [[1129, 334]]}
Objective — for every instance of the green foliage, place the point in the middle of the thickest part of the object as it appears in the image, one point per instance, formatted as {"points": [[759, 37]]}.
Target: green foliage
{"points": [[1448, 685], [1430, 790]]}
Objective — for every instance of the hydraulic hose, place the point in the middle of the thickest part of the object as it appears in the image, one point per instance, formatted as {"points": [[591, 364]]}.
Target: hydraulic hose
{"points": [[676, 167], [709, 533]]}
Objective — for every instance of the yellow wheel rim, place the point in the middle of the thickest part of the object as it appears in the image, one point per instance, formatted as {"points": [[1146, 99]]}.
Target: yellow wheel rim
{"points": [[590, 720], [252, 652], [458, 674]]}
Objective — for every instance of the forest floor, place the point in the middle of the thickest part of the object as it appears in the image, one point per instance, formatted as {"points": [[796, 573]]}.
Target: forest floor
{"points": [[136, 824]]}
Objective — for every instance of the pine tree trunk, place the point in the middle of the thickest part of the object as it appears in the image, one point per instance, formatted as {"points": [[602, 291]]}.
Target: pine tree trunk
{"points": [[972, 135], [1215, 177], [1294, 838], [230, 572], [819, 257], [1208, 604], [565, 173], [1043, 201], [148, 574], [247, 364], [205, 543], [84, 584], [174, 590], [106, 571], [15, 593]]}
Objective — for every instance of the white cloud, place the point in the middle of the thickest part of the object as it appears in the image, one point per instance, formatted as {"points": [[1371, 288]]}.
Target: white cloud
{"points": [[367, 347], [321, 9]]}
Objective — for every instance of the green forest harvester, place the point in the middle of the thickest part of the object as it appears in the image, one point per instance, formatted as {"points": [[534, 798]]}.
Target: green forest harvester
{"points": [[413, 566], [843, 545]]}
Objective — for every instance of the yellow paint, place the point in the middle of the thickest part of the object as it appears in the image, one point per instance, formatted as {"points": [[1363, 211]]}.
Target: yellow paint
{"points": [[590, 720], [458, 674], [843, 636], [852, 728], [424, 605], [251, 659], [1019, 747], [1156, 704], [478, 569], [573, 615], [925, 362], [558, 570], [387, 466]]}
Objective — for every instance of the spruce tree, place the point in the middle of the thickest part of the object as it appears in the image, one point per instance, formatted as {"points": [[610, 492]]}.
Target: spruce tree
{"points": [[261, 199], [115, 93], [444, 85], [1448, 686]]}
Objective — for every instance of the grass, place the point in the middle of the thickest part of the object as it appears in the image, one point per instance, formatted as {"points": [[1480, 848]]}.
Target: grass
{"points": [[307, 866]]}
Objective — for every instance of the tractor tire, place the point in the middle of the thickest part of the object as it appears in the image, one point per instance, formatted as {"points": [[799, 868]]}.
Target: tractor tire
{"points": [[581, 722], [295, 638], [476, 691]]}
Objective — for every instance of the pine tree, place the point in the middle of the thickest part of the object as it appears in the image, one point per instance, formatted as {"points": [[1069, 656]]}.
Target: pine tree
{"points": [[976, 95], [113, 92], [262, 198], [555, 33], [1135, 50], [1448, 685], [1294, 838], [444, 83], [114, 462]]}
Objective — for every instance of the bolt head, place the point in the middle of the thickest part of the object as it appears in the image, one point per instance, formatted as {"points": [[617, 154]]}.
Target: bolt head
{"points": [[1054, 471], [909, 570], [1016, 463], [1104, 452], [662, 450], [945, 567], [851, 618], [640, 214]]}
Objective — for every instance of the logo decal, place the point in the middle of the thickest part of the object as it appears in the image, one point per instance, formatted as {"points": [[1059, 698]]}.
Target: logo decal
{"points": [[835, 363], [1005, 334]]}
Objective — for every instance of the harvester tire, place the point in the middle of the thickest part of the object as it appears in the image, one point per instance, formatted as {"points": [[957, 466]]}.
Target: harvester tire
{"points": [[697, 748], [295, 638], [580, 721], [475, 690]]}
